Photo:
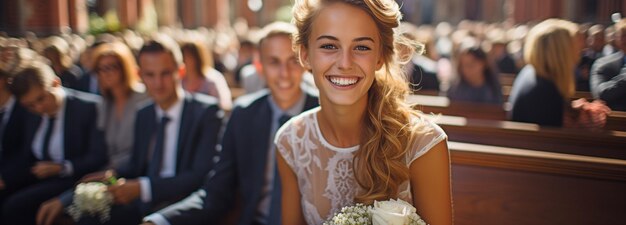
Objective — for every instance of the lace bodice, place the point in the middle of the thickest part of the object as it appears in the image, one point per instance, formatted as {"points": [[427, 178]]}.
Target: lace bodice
{"points": [[325, 176]]}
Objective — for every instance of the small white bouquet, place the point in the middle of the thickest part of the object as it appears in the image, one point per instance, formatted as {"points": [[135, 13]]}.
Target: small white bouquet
{"points": [[391, 212], [92, 199]]}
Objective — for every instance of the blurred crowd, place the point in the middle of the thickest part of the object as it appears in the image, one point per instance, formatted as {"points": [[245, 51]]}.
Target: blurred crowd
{"points": [[455, 57], [550, 62]]}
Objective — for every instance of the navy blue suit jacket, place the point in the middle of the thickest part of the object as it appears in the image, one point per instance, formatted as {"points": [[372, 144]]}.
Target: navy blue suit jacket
{"points": [[13, 145], [200, 123], [241, 169], [84, 144], [13, 136], [536, 100]]}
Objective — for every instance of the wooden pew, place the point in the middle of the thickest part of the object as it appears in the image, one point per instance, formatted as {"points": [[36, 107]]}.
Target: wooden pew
{"points": [[582, 94], [507, 79], [606, 144], [616, 121], [427, 92], [442, 105], [499, 185]]}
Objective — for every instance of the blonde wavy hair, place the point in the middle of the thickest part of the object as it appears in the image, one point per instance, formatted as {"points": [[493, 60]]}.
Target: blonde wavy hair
{"points": [[380, 165], [550, 50]]}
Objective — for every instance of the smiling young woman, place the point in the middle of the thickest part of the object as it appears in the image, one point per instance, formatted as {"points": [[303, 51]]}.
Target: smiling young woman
{"points": [[363, 143]]}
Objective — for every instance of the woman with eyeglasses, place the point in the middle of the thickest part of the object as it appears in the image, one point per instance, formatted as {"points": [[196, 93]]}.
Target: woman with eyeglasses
{"points": [[122, 95]]}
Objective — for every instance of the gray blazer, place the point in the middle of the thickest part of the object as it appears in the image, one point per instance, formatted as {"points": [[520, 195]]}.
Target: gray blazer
{"points": [[608, 80]]}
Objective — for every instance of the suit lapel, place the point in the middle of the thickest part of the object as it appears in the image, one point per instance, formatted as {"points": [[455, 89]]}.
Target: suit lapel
{"points": [[186, 126], [622, 64], [68, 124], [262, 126], [146, 136]]}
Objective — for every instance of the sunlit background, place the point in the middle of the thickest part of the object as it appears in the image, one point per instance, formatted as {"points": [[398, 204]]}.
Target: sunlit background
{"points": [[96, 16]]}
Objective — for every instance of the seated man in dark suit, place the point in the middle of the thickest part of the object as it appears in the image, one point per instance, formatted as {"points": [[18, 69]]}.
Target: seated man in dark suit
{"points": [[247, 166], [170, 163], [175, 140], [12, 116], [62, 141], [608, 74], [11, 133]]}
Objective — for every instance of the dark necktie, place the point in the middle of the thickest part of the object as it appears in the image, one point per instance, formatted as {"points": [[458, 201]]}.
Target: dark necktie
{"points": [[157, 154], [283, 119], [45, 153], [275, 194]]}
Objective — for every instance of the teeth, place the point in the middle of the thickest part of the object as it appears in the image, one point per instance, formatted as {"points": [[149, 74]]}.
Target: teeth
{"points": [[284, 84], [343, 81]]}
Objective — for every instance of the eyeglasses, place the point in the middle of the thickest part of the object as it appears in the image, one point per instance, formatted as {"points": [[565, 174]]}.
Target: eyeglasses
{"points": [[108, 68]]}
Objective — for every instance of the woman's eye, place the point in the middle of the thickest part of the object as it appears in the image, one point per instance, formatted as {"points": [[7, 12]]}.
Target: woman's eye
{"points": [[328, 46], [362, 48]]}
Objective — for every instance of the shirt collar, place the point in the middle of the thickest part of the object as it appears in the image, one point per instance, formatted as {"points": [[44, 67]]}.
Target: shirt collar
{"points": [[62, 94], [295, 109], [174, 112], [8, 106]]}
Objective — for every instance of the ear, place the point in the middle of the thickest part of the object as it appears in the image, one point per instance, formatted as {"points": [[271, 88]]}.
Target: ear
{"points": [[182, 70], [303, 54], [258, 66], [56, 82], [379, 63]]}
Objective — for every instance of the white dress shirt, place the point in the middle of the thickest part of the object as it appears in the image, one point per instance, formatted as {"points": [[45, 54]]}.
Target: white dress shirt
{"points": [[170, 146], [264, 204], [56, 146]]}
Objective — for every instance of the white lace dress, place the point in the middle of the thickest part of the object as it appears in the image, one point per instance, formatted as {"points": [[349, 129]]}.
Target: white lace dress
{"points": [[325, 176]]}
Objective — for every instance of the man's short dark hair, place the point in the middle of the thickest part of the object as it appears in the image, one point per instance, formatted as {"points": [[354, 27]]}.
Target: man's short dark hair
{"points": [[276, 29], [34, 74], [162, 43]]}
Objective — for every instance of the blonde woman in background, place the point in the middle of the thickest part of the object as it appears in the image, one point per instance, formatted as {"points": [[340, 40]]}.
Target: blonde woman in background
{"points": [[541, 92]]}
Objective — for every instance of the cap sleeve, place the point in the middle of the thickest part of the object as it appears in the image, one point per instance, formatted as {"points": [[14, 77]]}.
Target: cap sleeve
{"points": [[428, 136]]}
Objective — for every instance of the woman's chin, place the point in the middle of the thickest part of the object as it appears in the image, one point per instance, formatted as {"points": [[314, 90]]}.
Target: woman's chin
{"points": [[350, 100]]}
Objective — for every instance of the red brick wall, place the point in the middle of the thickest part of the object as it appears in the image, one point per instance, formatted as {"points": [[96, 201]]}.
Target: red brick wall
{"points": [[45, 17], [608, 7], [77, 12], [537, 10], [10, 16], [127, 12]]}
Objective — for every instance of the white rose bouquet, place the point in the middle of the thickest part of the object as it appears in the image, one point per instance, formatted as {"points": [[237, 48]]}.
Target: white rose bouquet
{"points": [[391, 212], [92, 199]]}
